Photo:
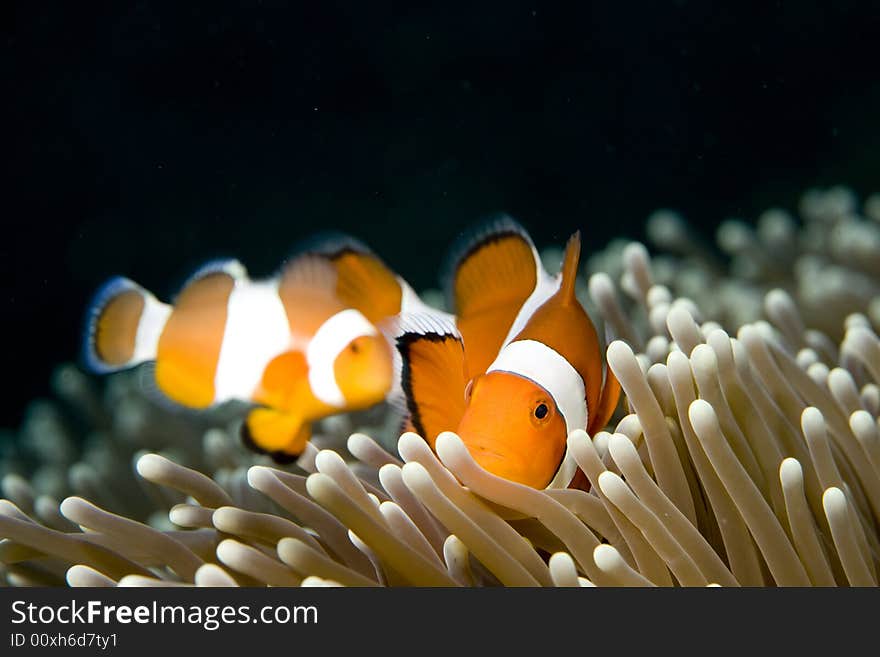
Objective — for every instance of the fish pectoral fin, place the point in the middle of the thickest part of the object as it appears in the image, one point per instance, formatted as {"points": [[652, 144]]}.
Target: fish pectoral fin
{"points": [[283, 378], [432, 376], [282, 436]]}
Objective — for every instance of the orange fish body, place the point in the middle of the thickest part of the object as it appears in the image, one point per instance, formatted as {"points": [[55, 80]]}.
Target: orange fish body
{"points": [[301, 345], [521, 369]]}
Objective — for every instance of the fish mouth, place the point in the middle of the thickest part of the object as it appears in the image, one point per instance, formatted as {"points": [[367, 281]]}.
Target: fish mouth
{"points": [[482, 450], [497, 459], [481, 453]]}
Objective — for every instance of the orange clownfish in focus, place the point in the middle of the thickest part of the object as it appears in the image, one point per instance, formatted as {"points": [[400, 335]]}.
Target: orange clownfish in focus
{"points": [[301, 345], [519, 370]]}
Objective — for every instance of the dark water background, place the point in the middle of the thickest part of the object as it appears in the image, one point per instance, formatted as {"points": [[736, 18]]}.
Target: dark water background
{"points": [[143, 137]]}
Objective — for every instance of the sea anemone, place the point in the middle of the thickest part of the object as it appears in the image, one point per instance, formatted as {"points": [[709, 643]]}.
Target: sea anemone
{"points": [[746, 450]]}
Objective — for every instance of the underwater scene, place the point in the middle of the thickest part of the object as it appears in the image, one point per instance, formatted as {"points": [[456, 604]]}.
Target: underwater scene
{"points": [[329, 296]]}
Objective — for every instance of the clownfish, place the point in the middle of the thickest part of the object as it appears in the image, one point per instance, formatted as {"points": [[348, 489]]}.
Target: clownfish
{"points": [[301, 345], [518, 370]]}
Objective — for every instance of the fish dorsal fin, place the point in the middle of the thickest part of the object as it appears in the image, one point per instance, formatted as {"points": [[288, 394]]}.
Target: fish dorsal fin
{"points": [[329, 243], [308, 271], [492, 272], [307, 288], [568, 272], [364, 281], [432, 374], [229, 266]]}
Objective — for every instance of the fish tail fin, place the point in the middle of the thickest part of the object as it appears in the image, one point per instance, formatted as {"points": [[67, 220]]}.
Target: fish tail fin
{"points": [[283, 436], [569, 268], [123, 325], [229, 266]]}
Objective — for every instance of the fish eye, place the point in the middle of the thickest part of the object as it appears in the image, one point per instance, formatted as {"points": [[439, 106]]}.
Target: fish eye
{"points": [[541, 411], [354, 347]]}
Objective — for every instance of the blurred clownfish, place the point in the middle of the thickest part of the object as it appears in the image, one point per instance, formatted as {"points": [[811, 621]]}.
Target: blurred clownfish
{"points": [[301, 345], [521, 368]]}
